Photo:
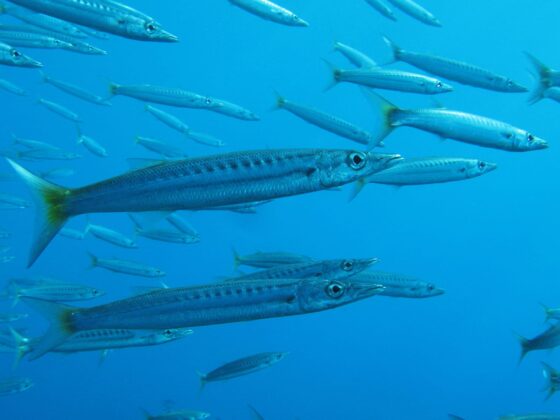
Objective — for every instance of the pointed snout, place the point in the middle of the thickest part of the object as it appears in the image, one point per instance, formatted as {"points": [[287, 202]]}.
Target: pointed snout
{"points": [[166, 36]]}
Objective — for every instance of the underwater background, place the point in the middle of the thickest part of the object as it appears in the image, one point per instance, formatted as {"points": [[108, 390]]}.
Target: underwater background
{"points": [[491, 242]]}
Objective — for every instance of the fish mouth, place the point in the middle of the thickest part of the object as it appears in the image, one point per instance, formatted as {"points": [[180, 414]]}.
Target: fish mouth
{"points": [[33, 63], [364, 290], [302, 22], [491, 166], [438, 292], [370, 261], [166, 36], [539, 144]]}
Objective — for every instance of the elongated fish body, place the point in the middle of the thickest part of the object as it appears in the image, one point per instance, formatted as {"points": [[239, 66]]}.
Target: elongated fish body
{"points": [[47, 154], [231, 110], [325, 121], [204, 182], [458, 71], [61, 110], [469, 128], [160, 147], [548, 339], [12, 88], [76, 91], [418, 171], [205, 139], [181, 224], [382, 8], [202, 305], [14, 385], [106, 15], [167, 235], [131, 268], [270, 11], [356, 57], [242, 366], [31, 40], [332, 269], [162, 95], [111, 236], [93, 146], [269, 259], [72, 233], [33, 144], [9, 56], [388, 79], [399, 285], [416, 11], [58, 292], [169, 120]]}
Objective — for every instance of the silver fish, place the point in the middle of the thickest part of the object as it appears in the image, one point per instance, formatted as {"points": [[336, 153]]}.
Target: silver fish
{"points": [[12, 88], [398, 285], [269, 259], [382, 8], [170, 120], [181, 224], [241, 367], [104, 15], [15, 385], [76, 91], [46, 154], [547, 78], [416, 11], [195, 183], [270, 11], [458, 71], [202, 305], [33, 144], [358, 58], [161, 95], [160, 147], [167, 235], [60, 110], [548, 339], [72, 233], [111, 236], [93, 146], [551, 313], [31, 40], [58, 292], [552, 377], [325, 121], [205, 139], [231, 110], [9, 56], [131, 268]]}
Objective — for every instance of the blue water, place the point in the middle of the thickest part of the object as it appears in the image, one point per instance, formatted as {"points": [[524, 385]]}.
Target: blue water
{"points": [[490, 242]]}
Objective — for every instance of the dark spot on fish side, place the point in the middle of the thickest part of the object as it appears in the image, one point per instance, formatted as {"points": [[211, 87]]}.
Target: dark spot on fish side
{"points": [[291, 299], [310, 171]]}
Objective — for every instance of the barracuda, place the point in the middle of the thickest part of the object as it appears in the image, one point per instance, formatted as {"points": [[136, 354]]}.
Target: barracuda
{"points": [[202, 305], [196, 183]]}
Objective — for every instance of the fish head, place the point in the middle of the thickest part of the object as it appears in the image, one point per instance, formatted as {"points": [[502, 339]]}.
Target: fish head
{"points": [[435, 86], [95, 293], [19, 59], [524, 141], [339, 167], [172, 334], [509, 85], [321, 294], [148, 30], [88, 48], [295, 20], [347, 267], [475, 167], [424, 290]]}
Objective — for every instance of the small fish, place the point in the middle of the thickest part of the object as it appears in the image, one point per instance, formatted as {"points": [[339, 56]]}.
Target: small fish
{"points": [[33, 144], [269, 259], [205, 139], [419, 171], [382, 8], [270, 11], [15, 385], [162, 95], [177, 415], [242, 367], [126, 267], [163, 235], [12, 317], [457, 125], [111, 236], [60, 110], [416, 11], [358, 58], [56, 292], [381, 78], [552, 377], [56, 173], [31, 40], [93, 146], [398, 285], [10, 56], [8, 201], [547, 78], [168, 119], [458, 71], [160, 147], [76, 91], [548, 339], [325, 121], [551, 313], [72, 233], [231, 110], [181, 224], [12, 88], [46, 154]]}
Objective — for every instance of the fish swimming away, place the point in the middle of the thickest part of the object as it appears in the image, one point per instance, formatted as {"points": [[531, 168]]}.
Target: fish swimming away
{"points": [[217, 303], [12, 88], [203, 182], [553, 379], [111, 236], [398, 285], [243, 366], [107, 16], [92, 146], [389, 79], [325, 121], [131, 268], [358, 58], [548, 339], [160, 147], [382, 8], [268, 259], [72, 233], [75, 91], [457, 71], [181, 224], [33, 144], [547, 78], [270, 11], [332, 269], [205, 139], [456, 125], [168, 119], [15, 385], [416, 11], [420, 171], [167, 235], [60, 110], [10, 56]]}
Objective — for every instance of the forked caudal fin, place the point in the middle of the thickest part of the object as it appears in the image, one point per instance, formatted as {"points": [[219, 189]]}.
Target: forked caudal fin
{"points": [[21, 346], [385, 110], [543, 74], [50, 201], [60, 329], [524, 347], [203, 381]]}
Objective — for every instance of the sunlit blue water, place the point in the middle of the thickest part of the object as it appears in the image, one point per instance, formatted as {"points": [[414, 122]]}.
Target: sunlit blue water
{"points": [[491, 242]]}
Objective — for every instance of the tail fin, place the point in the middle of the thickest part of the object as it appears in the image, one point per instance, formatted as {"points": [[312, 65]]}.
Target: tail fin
{"points": [[44, 77], [395, 49], [50, 201], [203, 381], [113, 89], [524, 347], [385, 109], [94, 261], [335, 73], [236, 259], [547, 312], [543, 74], [280, 100], [61, 325], [21, 346]]}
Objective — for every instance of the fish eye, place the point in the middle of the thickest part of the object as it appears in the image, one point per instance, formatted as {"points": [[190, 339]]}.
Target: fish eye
{"points": [[430, 287], [335, 290], [150, 27], [530, 137], [168, 333], [207, 101], [347, 265], [357, 160], [15, 53], [509, 83], [439, 85], [481, 165]]}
